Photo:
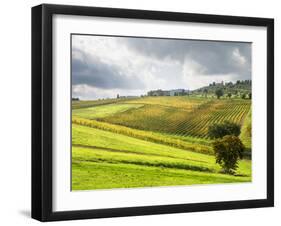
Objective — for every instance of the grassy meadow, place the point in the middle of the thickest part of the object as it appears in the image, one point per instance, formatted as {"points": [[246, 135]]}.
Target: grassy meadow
{"points": [[153, 141]]}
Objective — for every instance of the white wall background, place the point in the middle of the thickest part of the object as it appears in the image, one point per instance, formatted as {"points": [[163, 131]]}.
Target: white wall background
{"points": [[15, 113]]}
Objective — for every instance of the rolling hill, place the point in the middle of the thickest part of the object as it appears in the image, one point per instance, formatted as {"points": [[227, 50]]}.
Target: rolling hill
{"points": [[152, 141]]}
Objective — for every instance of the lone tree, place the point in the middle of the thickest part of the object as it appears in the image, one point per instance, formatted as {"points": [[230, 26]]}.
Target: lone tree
{"points": [[228, 150], [229, 95], [223, 129], [219, 93]]}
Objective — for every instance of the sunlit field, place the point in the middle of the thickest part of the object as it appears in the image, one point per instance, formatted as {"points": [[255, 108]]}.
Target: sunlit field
{"points": [[153, 141]]}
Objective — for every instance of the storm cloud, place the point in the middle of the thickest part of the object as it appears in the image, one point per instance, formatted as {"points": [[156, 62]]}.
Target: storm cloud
{"points": [[215, 57], [91, 71], [104, 66]]}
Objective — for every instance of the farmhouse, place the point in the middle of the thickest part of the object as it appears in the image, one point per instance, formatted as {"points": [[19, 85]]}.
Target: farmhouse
{"points": [[173, 92]]}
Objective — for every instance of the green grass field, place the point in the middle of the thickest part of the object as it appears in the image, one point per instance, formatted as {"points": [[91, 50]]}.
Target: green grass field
{"points": [[152, 141]]}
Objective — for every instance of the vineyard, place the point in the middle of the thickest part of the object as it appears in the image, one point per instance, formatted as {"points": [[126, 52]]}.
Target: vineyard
{"points": [[192, 119], [152, 141]]}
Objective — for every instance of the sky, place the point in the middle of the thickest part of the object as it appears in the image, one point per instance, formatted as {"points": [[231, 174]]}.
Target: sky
{"points": [[104, 66]]}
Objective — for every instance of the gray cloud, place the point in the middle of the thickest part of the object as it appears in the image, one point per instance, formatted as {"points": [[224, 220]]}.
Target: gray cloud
{"points": [[216, 57], [92, 71]]}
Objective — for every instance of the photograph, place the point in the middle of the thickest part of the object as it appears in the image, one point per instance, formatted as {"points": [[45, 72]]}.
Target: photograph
{"points": [[155, 112]]}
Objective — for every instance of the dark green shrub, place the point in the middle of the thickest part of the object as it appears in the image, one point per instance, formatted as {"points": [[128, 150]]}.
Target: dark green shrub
{"points": [[221, 130], [219, 93]]}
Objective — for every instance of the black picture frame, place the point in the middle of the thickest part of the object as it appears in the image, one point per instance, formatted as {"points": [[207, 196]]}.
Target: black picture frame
{"points": [[42, 111]]}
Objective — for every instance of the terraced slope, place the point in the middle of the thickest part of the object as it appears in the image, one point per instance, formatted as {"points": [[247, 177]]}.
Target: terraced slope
{"points": [[191, 120]]}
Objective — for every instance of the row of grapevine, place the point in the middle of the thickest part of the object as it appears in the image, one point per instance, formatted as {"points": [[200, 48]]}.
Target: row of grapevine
{"points": [[197, 122], [193, 121]]}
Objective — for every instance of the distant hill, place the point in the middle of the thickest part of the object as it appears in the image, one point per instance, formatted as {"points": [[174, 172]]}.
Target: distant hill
{"points": [[242, 88]]}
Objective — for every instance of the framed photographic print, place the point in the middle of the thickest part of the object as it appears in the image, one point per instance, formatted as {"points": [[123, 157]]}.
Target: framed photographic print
{"points": [[145, 112]]}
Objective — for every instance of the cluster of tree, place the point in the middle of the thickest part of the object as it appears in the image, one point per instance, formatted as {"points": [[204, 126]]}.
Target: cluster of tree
{"points": [[238, 82], [216, 84], [219, 93], [247, 82], [238, 89], [228, 148], [75, 99]]}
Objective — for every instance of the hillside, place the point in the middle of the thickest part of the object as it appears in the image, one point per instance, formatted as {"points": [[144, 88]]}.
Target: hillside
{"points": [[164, 114], [153, 141], [237, 90]]}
